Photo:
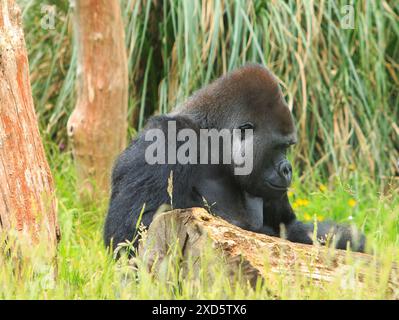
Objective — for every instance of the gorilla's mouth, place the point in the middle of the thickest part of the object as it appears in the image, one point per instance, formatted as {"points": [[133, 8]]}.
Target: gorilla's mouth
{"points": [[276, 187]]}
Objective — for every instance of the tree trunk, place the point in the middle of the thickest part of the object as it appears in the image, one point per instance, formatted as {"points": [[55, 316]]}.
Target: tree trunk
{"points": [[256, 255], [98, 125], [27, 200]]}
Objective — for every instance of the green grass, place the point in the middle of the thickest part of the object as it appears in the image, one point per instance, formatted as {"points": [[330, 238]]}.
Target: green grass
{"points": [[87, 271]]}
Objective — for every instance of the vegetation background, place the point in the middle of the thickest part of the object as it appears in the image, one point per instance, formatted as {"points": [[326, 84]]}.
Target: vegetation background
{"points": [[342, 85]]}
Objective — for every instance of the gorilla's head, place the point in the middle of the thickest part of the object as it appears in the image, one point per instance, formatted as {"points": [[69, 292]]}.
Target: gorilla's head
{"points": [[250, 98]]}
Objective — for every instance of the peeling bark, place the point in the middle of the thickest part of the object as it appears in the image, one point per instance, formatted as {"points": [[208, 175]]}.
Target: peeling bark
{"points": [[98, 125], [27, 200], [257, 255]]}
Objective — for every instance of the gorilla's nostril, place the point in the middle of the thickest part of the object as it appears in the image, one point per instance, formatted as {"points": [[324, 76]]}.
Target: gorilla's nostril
{"points": [[285, 169]]}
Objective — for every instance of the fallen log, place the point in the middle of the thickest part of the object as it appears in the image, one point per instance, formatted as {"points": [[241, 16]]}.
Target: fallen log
{"points": [[256, 256]]}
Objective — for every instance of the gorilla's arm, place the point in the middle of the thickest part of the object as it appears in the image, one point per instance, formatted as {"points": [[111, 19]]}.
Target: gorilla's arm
{"points": [[303, 233], [279, 212]]}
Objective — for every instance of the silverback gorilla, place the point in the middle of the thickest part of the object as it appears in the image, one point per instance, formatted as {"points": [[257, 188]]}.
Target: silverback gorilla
{"points": [[247, 98]]}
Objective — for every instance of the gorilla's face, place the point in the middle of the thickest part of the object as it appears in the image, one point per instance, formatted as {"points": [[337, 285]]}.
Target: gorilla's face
{"points": [[251, 98], [267, 114]]}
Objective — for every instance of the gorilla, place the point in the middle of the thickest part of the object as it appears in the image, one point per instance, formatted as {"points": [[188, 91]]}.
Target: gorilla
{"points": [[246, 100]]}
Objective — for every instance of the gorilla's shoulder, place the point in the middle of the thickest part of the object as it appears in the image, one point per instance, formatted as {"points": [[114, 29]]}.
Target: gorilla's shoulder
{"points": [[132, 159], [157, 122]]}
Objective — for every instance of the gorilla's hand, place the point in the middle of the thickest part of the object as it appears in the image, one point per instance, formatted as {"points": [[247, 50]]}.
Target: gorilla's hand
{"points": [[327, 233], [268, 231]]}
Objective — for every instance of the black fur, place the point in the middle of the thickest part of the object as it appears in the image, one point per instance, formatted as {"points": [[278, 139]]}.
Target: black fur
{"points": [[136, 183], [249, 93]]}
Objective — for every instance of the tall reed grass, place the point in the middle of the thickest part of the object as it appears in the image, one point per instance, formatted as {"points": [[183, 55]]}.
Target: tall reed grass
{"points": [[342, 84]]}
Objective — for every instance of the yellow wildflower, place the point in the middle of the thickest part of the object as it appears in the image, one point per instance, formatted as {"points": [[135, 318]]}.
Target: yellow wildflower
{"points": [[320, 218], [300, 203], [352, 167], [290, 193], [322, 188], [307, 216], [352, 202]]}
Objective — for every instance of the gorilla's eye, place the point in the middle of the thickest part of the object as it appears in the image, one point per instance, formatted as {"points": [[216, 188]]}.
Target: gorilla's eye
{"points": [[247, 125], [243, 127]]}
